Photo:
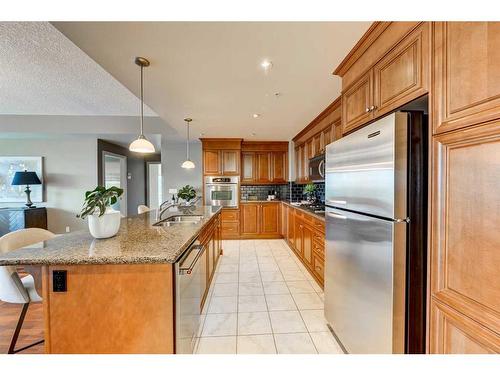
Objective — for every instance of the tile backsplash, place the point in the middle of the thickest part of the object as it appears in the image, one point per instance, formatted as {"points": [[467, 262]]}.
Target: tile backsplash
{"points": [[290, 191]]}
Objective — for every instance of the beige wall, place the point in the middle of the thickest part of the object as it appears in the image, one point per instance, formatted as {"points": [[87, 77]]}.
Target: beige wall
{"points": [[70, 168]]}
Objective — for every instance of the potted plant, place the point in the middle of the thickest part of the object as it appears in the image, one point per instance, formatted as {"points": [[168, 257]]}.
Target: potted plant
{"points": [[310, 192], [104, 221], [187, 193]]}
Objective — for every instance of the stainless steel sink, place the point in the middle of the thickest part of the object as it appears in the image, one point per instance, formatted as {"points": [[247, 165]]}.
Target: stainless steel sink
{"points": [[180, 220]]}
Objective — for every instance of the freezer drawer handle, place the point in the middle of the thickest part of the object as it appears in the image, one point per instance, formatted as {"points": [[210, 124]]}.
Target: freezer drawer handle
{"points": [[337, 216], [336, 202], [188, 270]]}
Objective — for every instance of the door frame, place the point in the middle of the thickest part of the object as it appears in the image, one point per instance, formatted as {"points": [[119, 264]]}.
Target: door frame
{"points": [[123, 178]]}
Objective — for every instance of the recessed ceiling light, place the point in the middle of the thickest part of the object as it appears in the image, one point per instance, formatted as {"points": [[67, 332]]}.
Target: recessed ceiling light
{"points": [[256, 115], [266, 64], [253, 134]]}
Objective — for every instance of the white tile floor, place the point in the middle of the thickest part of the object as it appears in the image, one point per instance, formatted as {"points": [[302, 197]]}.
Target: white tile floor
{"points": [[264, 301]]}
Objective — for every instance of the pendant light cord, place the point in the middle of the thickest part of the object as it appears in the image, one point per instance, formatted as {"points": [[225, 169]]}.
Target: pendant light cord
{"points": [[187, 142], [142, 103]]}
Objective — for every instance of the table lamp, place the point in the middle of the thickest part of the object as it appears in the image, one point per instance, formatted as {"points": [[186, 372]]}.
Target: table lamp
{"points": [[26, 178]]}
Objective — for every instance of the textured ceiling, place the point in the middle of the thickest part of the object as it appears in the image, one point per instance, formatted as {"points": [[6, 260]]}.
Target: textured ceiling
{"points": [[210, 70], [44, 73]]}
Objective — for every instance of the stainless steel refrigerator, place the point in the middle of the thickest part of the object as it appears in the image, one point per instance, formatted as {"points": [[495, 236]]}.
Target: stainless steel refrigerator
{"points": [[376, 218]]}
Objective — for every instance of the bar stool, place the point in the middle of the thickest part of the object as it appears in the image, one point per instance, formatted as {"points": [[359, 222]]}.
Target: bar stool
{"points": [[14, 289]]}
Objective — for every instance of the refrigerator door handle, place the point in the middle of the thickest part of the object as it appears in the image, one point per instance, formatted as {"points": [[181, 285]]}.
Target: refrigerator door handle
{"points": [[336, 202], [336, 216]]}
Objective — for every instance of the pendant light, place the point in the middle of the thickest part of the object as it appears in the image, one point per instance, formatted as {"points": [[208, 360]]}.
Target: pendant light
{"points": [[188, 164], [141, 144]]}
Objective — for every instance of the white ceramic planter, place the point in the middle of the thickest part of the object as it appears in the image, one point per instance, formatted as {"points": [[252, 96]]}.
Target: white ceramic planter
{"points": [[105, 226]]}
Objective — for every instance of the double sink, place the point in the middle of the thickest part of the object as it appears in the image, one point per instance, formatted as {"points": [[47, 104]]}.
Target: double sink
{"points": [[179, 220]]}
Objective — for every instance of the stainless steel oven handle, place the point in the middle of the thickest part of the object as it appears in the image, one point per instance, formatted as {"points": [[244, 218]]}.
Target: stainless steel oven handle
{"points": [[188, 270], [336, 216], [320, 167]]}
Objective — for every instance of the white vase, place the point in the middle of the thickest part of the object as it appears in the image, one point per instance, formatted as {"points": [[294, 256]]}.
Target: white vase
{"points": [[105, 226]]}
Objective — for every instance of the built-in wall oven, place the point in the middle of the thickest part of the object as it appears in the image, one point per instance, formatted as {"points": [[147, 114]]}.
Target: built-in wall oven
{"points": [[222, 191]]}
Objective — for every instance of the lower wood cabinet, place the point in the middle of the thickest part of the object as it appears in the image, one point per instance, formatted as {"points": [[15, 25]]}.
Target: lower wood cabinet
{"points": [[230, 223], [305, 235], [211, 240], [260, 220], [465, 246]]}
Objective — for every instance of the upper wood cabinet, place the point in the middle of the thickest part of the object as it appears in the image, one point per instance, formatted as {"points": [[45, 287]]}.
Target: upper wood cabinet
{"points": [[314, 138], [279, 167], [248, 167], [357, 103], [466, 86], [264, 163], [394, 79], [403, 74], [221, 156], [230, 162], [211, 162]]}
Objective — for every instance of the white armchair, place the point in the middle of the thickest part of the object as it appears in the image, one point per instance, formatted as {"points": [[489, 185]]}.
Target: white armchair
{"points": [[14, 289]]}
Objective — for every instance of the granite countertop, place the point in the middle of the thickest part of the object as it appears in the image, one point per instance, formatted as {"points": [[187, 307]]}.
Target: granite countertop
{"points": [[302, 208], [138, 241]]}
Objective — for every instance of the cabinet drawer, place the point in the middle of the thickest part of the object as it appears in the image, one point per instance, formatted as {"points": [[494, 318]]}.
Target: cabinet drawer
{"points": [[319, 225], [230, 215], [319, 237], [230, 227], [319, 248], [318, 265]]}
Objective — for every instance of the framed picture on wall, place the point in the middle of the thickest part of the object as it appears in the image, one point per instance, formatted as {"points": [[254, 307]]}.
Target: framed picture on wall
{"points": [[9, 165]]}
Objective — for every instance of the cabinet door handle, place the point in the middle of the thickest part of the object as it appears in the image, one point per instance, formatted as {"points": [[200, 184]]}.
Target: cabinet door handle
{"points": [[367, 109], [372, 108]]}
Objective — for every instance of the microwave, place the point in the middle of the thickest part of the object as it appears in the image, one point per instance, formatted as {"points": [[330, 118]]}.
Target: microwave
{"points": [[317, 168]]}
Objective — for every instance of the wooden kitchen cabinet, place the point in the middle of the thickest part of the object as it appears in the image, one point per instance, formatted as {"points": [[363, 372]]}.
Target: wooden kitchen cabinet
{"points": [[356, 103], [248, 169], [466, 85], [464, 254], [305, 236], [260, 219], [250, 219], [263, 165], [221, 156], [290, 225], [230, 162], [307, 244], [270, 218], [313, 139], [401, 75], [279, 167], [211, 162]]}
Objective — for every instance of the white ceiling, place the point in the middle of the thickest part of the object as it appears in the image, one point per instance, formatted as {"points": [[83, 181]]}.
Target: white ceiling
{"points": [[210, 70], [44, 73]]}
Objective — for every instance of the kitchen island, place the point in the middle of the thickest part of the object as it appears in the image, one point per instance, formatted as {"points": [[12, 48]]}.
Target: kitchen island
{"points": [[120, 295]]}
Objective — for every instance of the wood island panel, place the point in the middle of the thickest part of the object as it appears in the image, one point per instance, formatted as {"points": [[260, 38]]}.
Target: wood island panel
{"points": [[110, 309]]}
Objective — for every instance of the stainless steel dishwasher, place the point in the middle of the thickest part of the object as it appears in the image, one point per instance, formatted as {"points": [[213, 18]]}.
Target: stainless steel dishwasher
{"points": [[189, 274]]}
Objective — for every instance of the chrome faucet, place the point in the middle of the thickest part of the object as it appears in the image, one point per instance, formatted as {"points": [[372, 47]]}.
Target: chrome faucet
{"points": [[165, 209]]}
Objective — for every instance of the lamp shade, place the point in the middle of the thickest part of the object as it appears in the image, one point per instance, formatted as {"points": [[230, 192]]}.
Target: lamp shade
{"points": [[26, 178], [142, 145], [188, 164]]}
